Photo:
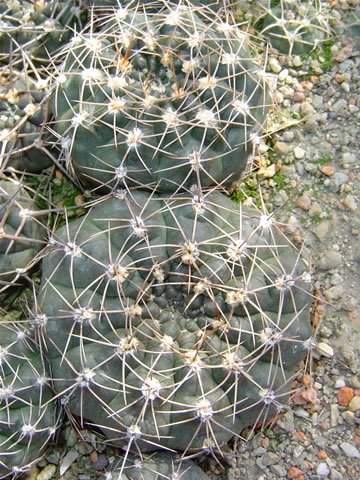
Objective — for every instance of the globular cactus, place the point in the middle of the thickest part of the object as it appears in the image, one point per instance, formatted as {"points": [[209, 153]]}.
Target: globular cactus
{"points": [[22, 233], [161, 466], [214, 5], [173, 322], [36, 29], [167, 98], [25, 142], [28, 417], [295, 27]]}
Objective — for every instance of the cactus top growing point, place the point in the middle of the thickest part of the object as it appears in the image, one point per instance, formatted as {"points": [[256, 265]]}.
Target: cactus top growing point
{"points": [[172, 98]]}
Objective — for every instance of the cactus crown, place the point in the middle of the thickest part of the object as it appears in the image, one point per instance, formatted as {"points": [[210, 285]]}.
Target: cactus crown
{"points": [[171, 97]]}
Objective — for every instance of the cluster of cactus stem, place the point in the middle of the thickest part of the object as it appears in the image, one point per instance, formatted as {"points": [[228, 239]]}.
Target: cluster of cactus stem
{"points": [[166, 317], [294, 27]]}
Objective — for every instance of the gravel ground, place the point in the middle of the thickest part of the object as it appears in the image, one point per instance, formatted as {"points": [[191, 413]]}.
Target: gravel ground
{"points": [[315, 194]]}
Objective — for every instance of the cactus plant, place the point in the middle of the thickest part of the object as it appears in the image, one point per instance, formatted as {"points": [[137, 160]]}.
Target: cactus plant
{"points": [[173, 322], [27, 420], [294, 27], [25, 143], [161, 465], [22, 233], [36, 29], [167, 98]]}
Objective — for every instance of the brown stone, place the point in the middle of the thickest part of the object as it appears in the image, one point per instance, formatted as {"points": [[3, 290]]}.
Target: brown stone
{"points": [[301, 436], [328, 170], [304, 202], [299, 97], [344, 396], [265, 442], [322, 454], [295, 472]]}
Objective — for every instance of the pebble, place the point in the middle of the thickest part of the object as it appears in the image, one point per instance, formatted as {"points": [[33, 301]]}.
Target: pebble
{"points": [[281, 147], [311, 126], [349, 157], [328, 170], [294, 472], [317, 101], [299, 97], [346, 87], [334, 415], [331, 259], [304, 202], [335, 475], [349, 417], [336, 279], [350, 203], [279, 470], [344, 396], [354, 404], [315, 209], [325, 349], [350, 450], [46, 473], [340, 105], [274, 64], [321, 230], [340, 382], [299, 153], [297, 62], [269, 458], [306, 109], [283, 74], [288, 92], [334, 293], [288, 136], [322, 469], [286, 422], [68, 460]]}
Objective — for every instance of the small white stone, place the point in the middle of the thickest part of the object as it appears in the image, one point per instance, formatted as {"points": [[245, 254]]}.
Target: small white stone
{"points": [[325, 350], [283, 74], [297, 62], [340, 382], [354, 405], [299, 153], [322, 469], [274, 64]]}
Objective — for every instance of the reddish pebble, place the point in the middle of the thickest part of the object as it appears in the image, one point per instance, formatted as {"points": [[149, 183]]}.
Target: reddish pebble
{"points": [[265, 442], [295, 472], [301, 435], [344, 396], [306, 379], [328, 170], [322, 454]]}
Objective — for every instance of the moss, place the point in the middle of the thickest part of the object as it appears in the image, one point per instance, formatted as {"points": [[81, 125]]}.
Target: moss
{"points": [[242, 194], [280, 181], [316, 219], [324, 160]]}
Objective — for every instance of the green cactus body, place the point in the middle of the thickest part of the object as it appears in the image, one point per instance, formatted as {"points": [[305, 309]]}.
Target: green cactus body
{"points": [[27, 421], [163, 98], [173, 322], [162, 465], [22, 235], [25, 141], [294, 27], [36, 29]]}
